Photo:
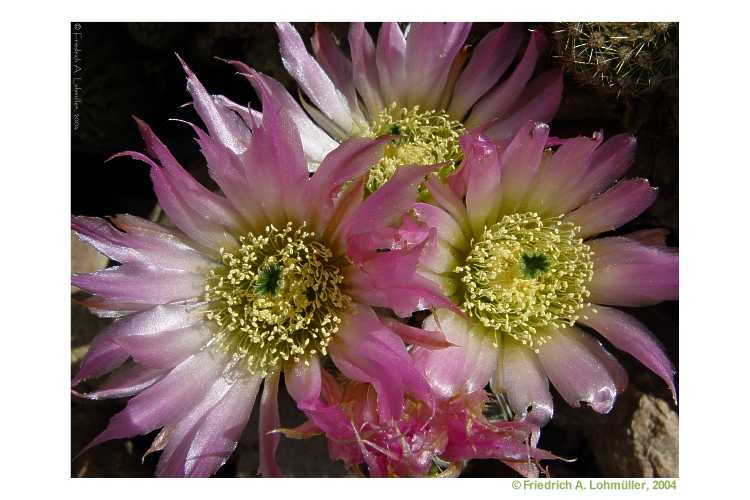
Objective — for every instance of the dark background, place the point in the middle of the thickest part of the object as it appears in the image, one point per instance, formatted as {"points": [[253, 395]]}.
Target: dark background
{"points": [[131, 69]]}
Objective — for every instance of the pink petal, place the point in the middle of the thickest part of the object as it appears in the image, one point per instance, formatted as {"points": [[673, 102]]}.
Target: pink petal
{"points": [[385, 206], [201, 228], [560, 173], [315, 142], [390, 56], [581, 370], [303, 380], [520, 377], [106, 353], [221, 124], [215, 208], [448, 229], [351, 159], [539, 103], [622, 203], [429, 339], [364, 69], [389, 279], [102, 357], [467, 367], [127, 381], [141, 242], [608, 163], [313, 79], [366, 351], [269, 421], [628, 273], [165, 349], [520, 164], [139, 283], [499, 101], [228, 171], [481, 165], [334, 63], [275, 164], [430, 51], [202, 441], [488, 62], [448, 201], [165, 402], [630, 335]]}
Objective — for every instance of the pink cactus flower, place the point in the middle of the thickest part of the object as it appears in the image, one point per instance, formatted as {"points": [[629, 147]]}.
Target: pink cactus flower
{"points": [[517, 251], [418, 85], [270, 276], [425, 441]]}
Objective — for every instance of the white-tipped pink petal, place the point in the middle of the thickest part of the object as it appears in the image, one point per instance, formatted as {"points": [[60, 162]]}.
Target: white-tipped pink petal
{"points": [[446, 199], [448, 229], [488, 62], [629, 273], [520, 376], [630, 335], [622, 203], [581, 370], [269, 421], [303, 379], [314, 80], [467, 366]]}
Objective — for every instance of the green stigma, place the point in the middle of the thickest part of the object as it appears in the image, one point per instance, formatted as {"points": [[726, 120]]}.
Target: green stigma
{"points": [[525, 274], [533, 264], [424, 138], [276, 298]]}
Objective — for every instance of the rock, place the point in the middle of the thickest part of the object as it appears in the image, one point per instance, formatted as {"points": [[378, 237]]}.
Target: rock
{"points": [[639, 438]]}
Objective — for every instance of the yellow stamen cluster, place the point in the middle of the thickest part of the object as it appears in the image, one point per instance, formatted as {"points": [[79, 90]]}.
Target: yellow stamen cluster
{"points": [[277, 298], [524, 274], [425, 137]]}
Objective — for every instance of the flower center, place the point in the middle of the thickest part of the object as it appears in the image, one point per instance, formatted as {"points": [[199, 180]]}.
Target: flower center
{"points": [[526, 273], [424, 138], [277, 298]]}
